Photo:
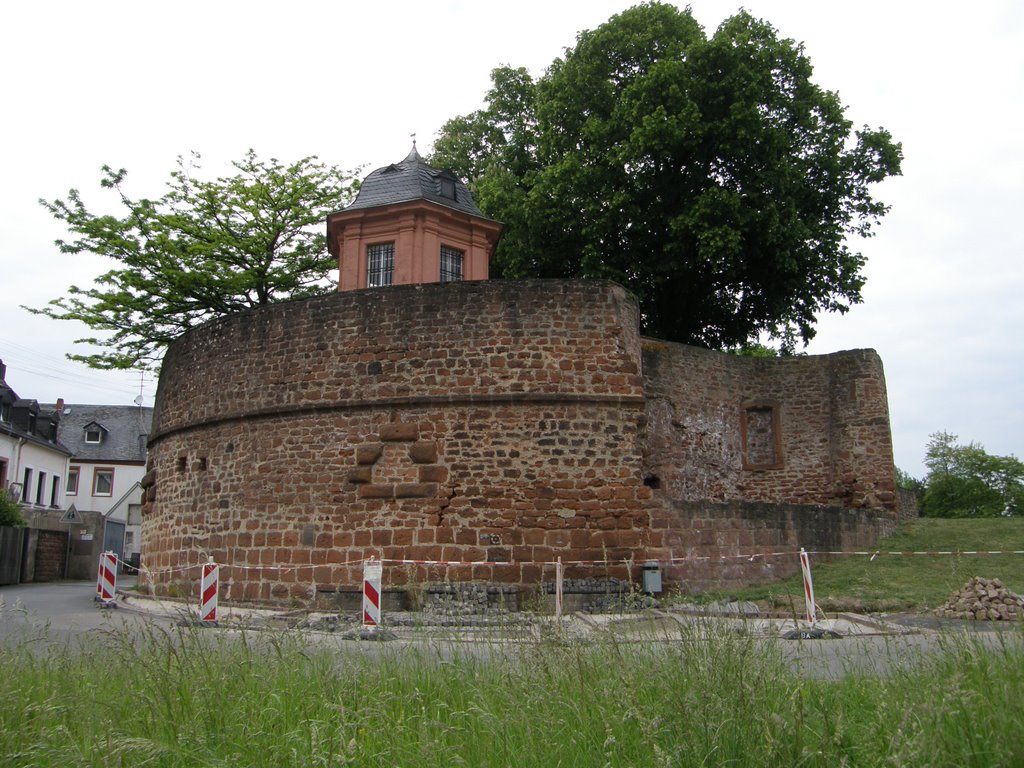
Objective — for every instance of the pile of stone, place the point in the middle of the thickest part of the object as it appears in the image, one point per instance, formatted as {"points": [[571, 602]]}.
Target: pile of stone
{"points": [[983, 600], [464, 599], [595, 585], [604, 594]]}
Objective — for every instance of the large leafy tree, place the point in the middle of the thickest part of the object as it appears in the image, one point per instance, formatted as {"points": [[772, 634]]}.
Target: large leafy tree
{"points": [[710, 175], [204, 249], [966, 481]]}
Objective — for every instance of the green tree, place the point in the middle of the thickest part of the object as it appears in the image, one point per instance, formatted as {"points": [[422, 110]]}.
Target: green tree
{"points": [[709, 175], [10, 513], [966, 481], [908, 482], [202, 250]]}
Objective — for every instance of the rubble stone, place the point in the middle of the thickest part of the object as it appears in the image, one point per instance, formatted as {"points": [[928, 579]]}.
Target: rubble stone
{"points": [[983, 600]]}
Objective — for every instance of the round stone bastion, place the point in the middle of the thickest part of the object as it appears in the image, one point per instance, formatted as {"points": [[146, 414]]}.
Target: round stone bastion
{"points": [[499, 426]]}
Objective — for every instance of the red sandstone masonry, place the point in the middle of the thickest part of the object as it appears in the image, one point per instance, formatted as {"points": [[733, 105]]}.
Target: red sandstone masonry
{"points": [[470, 421], [832, 417]]}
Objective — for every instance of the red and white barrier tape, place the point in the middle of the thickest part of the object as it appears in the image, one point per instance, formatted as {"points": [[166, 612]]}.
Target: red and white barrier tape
{"points": [[872, 554]]}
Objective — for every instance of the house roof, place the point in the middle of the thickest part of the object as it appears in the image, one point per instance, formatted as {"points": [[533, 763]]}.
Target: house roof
{"points": [[126, 429], [412, 179], [17, 423]]}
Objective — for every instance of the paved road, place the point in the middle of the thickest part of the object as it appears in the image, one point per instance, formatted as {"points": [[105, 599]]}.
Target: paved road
{"points": [[66, 611], [63, 609]]}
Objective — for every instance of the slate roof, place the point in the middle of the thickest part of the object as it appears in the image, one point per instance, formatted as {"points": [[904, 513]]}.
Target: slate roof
{"points": [[126, 431], [18, 424], [412, 179]]}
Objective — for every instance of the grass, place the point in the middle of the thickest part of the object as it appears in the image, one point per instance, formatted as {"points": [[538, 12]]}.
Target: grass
{"points": [[908, 582], [185, 698]]}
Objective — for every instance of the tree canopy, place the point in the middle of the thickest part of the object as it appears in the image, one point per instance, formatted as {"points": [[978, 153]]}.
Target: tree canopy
{"points": [[202, 250], [709, 175], [966, 481]]}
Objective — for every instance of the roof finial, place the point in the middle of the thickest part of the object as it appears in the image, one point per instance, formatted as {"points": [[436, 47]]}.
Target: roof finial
{"points": [[413, 139]]}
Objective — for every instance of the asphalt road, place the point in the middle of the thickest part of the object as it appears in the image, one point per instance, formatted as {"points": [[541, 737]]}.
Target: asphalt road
{"points": [[66, 611], [60, 610]]}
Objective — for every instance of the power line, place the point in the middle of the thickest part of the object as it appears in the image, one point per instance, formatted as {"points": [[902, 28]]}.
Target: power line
{"points": [[32, 361]]}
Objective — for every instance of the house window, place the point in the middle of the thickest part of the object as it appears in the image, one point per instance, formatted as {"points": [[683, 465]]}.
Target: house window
{"points": [[26, 486], [380, 264], [72, 487], [762, 444], [41, 489], [103, 481], [451, 264], [92, 435], [55, 491], [448, 188]]}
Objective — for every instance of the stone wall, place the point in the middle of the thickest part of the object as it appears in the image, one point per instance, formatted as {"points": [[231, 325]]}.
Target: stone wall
{"points": [[724, 545], [469, 421], [50, 555], [515, 422], [805, 430]]}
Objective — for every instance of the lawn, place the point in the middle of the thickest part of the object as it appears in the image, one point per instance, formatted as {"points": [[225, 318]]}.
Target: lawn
{"points": [[184, 697], [907, 582]]}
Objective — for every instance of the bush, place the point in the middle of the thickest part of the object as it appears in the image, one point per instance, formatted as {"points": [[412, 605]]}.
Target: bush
{"points": [[10, 514]]}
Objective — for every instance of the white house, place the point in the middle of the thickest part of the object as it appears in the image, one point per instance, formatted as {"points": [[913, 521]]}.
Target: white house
{"points": [[33, 463], [108, 460]]}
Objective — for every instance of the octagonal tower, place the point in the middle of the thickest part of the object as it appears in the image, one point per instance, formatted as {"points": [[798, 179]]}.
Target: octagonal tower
{"points": [[411, 223]]}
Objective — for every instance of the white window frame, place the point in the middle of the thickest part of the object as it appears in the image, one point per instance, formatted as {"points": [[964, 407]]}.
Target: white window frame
{"points": [[452, 263], [380, 265], [76, 474], [96, 478]]}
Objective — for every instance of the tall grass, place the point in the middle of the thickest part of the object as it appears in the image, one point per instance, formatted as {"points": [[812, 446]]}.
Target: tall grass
{"points": [[186, 697]]}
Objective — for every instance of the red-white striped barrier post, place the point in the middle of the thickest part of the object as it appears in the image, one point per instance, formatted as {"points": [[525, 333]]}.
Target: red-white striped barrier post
{"points": [[558, 589], [373, 571], [106, 579], [208, 586], [805, 566]]}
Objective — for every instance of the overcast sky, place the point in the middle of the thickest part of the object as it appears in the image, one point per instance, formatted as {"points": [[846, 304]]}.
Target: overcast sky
{"points": [[134, 85]]}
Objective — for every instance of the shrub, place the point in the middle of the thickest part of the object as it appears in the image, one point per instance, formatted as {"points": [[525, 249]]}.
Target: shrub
{"points": [[10, 514]]}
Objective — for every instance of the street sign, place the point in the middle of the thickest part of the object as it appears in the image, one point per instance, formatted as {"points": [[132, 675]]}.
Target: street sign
{"points": [[72, 515]]}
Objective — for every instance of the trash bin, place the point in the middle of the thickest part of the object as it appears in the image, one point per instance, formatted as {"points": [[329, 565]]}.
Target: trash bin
{"points": [[652, 577]]}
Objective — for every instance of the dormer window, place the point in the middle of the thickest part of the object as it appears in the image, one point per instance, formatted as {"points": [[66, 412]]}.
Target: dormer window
{"points": [[93, 435], [447, 188]]}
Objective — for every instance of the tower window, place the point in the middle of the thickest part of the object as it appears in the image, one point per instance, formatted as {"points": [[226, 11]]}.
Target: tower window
{"points": [[380, 264], [451, 264]]}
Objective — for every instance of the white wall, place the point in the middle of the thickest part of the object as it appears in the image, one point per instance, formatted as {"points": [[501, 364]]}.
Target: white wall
{"points": [[125, 476], [38, 459]]}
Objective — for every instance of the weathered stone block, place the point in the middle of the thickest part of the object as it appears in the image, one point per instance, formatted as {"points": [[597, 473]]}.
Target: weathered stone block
{"points": [[361, 475], [433, 474], [423, 452], [415, 490], [368, 453], [399, 432], [376, 491]]}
